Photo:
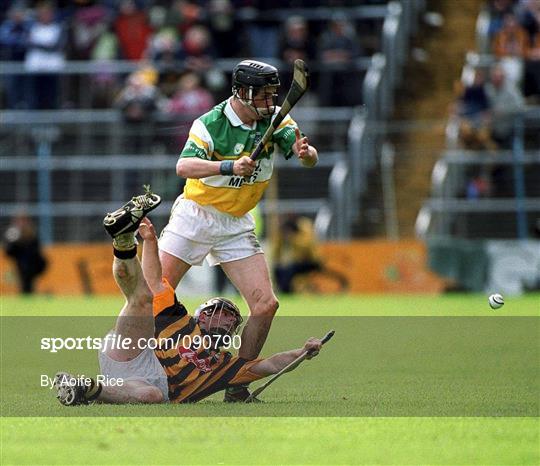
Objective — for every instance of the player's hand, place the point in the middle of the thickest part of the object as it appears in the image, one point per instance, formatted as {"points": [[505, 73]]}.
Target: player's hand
{"points": [[312, 346], [301, 146], [244, 166], [147, 230]]}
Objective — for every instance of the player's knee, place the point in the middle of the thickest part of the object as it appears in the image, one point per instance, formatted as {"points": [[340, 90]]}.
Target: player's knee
{"points": [[122, 273], [267, 306], [149, 395], [142, 300]]}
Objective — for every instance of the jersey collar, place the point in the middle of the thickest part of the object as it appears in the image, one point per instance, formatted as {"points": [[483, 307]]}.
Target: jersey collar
{"points": [[233, 117]]}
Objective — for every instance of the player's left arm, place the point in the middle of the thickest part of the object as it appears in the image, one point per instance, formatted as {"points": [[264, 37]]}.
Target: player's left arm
{"points": [[166, 309], [151, 265], [279, 361], [307, 154], [292, 142]]}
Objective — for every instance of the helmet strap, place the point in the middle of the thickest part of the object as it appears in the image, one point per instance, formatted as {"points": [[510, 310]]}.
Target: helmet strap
{"points": [[248, 103]]}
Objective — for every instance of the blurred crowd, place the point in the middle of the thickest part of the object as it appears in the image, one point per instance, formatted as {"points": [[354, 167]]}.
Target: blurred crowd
{"points": [[514, 32], [490, 97], [486, 107], [43, 35]]}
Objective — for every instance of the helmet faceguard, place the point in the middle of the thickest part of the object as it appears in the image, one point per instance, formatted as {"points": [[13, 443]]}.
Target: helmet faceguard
{"points": [[218, 317], [253, 76]]}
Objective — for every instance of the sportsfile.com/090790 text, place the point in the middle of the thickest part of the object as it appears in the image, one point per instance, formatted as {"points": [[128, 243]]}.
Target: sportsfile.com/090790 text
{"points": [[114, 341]]}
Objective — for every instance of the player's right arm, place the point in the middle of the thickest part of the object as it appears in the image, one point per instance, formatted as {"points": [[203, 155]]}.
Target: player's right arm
{"points": [[280, 361], [197, 168]]}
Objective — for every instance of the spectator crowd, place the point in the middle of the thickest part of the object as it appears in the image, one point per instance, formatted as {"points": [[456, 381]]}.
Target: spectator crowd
{"points": [[179, 39], [514, 33], [488, 99], [491, 96]]}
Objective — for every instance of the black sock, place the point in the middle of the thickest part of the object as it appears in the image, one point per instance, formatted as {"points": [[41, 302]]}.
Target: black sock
{"points": [[129, 254], [93, 391], [237, 388]]}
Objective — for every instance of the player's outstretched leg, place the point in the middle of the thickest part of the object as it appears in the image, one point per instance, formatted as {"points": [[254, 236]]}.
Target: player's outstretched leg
{"points": [[135, 320], [73, 391]]}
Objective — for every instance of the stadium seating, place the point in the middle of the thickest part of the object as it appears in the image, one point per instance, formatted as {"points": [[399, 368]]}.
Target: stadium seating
{"points": [[485, 200], [70, 164], [510, 205]]}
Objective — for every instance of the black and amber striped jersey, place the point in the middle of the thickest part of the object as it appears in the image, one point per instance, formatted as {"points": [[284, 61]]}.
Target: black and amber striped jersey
{"points": [[193, 373]]}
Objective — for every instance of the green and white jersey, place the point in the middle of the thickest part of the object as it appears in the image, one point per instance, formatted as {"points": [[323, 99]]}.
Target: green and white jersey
{"points": [[221, 135]]}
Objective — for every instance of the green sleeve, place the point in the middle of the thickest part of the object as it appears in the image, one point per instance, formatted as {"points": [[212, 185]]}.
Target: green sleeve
{"points": [[197, 144], [285, 138], [191, 149]]}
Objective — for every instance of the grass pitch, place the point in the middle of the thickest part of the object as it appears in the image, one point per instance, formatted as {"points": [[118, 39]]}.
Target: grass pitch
{"points": [[386, 390]]}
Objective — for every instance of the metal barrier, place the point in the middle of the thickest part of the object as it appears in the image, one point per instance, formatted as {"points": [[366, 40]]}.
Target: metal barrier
{"points": [[482, 31], [37, 132], [348, 178], [54, 185], [124, 67], [447, 212], [491, 218], [81, 79]]}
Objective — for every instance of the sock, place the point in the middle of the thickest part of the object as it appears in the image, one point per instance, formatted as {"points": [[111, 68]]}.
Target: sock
{"points": [[125, 245], [93, 391], [236, 389], [129, 254]]}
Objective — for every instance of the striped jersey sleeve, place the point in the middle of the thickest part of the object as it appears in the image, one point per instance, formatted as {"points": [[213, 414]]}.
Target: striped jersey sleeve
{"points": [[199, 143], [168, 312], [233, 371]]}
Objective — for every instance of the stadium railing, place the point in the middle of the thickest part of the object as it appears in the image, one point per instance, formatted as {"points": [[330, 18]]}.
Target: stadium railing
{"points": [[348, 179], [79, 78], [510, 213], [39, 132], [482, 222], [474, 219], [70, 190]]}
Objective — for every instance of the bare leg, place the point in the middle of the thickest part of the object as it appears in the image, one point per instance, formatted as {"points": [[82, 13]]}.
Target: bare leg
{"points": [[135, 320], [132, 391], [173, 268], [250, 276]]}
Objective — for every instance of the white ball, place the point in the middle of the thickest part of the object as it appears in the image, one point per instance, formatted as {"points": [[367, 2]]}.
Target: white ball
{"points": [[496, 301]]}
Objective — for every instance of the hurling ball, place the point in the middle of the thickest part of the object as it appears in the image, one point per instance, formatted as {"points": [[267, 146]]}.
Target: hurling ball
{"points": [[496, 301]]}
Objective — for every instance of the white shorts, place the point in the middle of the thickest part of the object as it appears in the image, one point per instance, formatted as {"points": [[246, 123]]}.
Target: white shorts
{"points": [[196, 232], [144, 367]]}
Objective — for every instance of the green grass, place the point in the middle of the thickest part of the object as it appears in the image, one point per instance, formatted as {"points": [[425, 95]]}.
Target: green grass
{"points": [[300, 305], [270, 441], [397, 385]]}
